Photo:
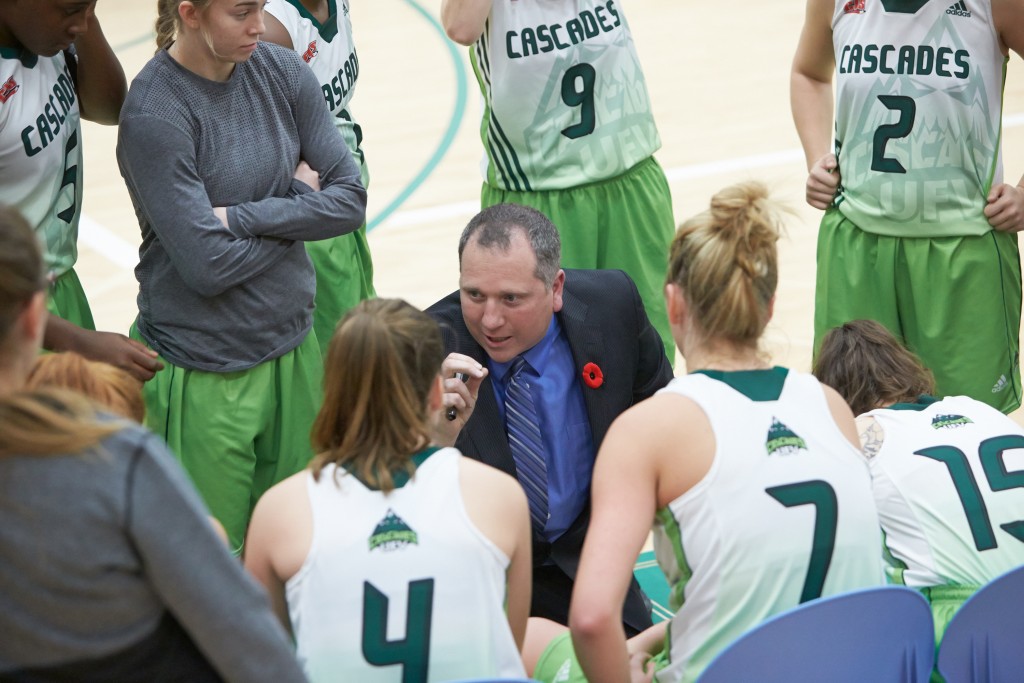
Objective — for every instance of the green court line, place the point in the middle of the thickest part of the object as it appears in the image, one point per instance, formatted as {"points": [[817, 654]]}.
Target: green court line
{"points": [[135, 42], [449, 134], [453, 124]]}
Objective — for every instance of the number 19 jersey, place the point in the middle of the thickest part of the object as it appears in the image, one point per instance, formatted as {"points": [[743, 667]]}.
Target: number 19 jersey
{"points": [[919, 88], [565, 100], [41, 151], [784, 515], [949, 485]]}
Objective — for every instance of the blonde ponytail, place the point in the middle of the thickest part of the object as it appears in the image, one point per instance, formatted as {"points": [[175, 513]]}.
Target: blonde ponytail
{"points": [[726, 263]]}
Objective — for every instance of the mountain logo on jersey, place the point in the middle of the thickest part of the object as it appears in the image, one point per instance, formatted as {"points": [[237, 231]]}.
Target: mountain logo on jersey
{"points": [[950, 421], [310, 52], [392, 533], [8, 89], [959, 9], [854, 7], [782, 441]]}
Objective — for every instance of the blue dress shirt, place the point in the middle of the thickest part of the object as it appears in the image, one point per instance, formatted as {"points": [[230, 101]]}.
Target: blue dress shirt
{"points": [[564, 424]]}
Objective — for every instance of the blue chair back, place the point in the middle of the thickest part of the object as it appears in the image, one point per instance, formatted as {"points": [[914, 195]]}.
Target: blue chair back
{"points": [[878, 634], [984, 642]]}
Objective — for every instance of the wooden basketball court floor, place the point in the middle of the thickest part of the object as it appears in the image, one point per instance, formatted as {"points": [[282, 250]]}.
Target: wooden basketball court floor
{"points": [[718, 75]]}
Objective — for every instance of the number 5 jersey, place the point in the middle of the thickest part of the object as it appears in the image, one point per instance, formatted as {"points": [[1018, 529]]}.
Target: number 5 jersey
{"points": [[565, 101], [918, 114], [41, 150]]}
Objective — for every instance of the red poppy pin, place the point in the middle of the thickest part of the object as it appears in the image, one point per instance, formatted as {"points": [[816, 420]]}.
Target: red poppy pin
{"points": [[592, 375]]}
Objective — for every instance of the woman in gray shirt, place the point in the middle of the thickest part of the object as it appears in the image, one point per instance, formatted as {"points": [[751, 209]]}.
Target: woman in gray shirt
{"points": [[110, 569], [232, 163]]}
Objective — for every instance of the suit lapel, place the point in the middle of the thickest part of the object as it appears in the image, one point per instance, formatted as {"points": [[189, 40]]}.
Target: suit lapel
{"points": [[586, 340]]}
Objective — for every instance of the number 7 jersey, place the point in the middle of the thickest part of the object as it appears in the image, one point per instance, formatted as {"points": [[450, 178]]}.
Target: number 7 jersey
{"points": [[919, 88], [565, 100], [784, 515]]}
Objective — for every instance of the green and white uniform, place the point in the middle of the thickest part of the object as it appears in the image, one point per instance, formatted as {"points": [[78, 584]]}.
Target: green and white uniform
{"points": [[427, 585], [568, 129], [41, 165], [783, 516], [950, 497], [344, 267], [919, 88]]}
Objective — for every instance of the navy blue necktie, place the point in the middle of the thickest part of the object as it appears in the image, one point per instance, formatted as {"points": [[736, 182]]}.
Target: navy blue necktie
{"points": [[527, 447]]}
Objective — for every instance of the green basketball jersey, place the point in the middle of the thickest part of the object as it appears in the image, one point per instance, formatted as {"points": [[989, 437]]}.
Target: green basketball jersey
{"points": [[918, 114], [784, 515], [565, 101], [329, 50], [41, 150]]}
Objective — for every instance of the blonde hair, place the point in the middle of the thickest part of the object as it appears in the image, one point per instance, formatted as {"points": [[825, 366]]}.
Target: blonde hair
{"points": [[726, 263], [109, 386], [869, 367], [168, 21], [382, 362], [43, 422]]}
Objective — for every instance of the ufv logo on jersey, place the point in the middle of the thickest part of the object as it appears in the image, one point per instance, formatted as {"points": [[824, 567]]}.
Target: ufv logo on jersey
{"points": [[854, 7], [310, 52], [782, 441], [8, 89], [392, 533], [950, 421]]}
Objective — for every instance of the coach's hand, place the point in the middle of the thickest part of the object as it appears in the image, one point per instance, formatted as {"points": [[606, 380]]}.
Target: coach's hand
{"points": [[823, 182], [1005, 208], [459, 396]]}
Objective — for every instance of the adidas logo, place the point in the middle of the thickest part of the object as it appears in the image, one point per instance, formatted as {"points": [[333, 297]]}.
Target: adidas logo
{"points": [[782, 441], [959, 9], [950, 421], [854, 7], [392, 533], [1000, 385]]}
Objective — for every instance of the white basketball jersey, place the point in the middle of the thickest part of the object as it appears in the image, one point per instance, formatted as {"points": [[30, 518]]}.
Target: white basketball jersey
{"points": [[331, 54], [41, 151], [919, 86], [784, 515], [565, 99], [949, 485], [402, 581]]}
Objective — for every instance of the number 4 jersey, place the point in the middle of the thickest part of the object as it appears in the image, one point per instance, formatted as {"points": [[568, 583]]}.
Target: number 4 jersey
{"points": [[784, 515], [565, 99], [949, 484], [41, 151], [918, 114], [400, 587]]}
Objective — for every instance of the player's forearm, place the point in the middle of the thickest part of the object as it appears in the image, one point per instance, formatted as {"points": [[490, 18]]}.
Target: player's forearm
{"points": [[464, 20], [812, 105], [101, 82]]}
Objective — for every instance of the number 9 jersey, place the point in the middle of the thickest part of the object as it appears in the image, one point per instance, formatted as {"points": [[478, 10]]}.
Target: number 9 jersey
{"points": [[918, 114], [565, 100], [41, 150]]}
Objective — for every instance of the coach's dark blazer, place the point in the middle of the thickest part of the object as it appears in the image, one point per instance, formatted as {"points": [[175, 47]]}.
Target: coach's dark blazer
{"points": [[604, 320]]}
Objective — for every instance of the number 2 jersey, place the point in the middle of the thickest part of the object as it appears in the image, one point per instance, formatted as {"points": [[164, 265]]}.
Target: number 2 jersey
{"points": [[784, 515], [408, 566], [41, 150], [565, 100], [949, 485], [331, 53], [919, 87]]}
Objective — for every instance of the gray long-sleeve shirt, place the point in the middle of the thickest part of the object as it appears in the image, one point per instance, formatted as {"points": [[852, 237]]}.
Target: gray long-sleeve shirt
{"points": [[98, 547], [222, 298]]}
